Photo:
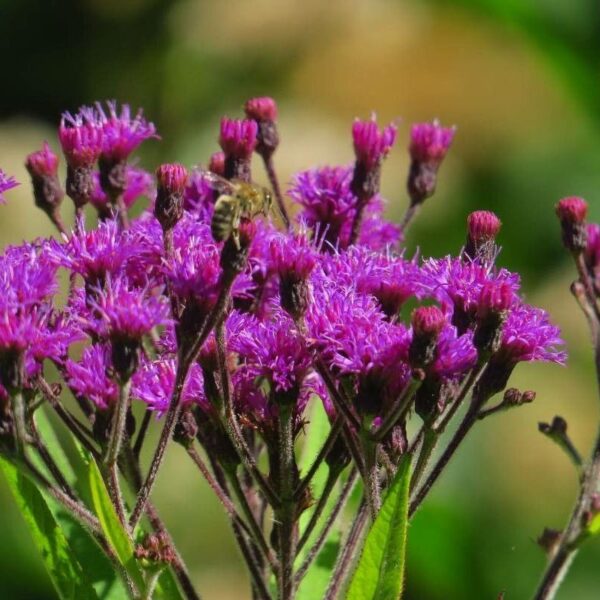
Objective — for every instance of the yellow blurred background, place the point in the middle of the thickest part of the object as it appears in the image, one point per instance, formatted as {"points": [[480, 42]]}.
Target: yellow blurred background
{"points": [[521, 84]]}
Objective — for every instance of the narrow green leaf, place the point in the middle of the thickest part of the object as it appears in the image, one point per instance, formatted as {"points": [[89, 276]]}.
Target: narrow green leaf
{"points": [[111, 526], [380, 571], [63, 567]]}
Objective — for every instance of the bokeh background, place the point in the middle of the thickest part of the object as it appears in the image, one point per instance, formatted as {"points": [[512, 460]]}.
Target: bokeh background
{"points": [[520, 79]]}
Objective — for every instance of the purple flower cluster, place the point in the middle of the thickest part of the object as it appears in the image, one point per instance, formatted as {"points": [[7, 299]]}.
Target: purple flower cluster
{"points": [[304, 304]]}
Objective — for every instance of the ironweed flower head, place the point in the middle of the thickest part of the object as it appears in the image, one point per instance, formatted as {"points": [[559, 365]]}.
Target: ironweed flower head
{"points": [[122, 132], [126, 313], [89, 378], [171, 181], [572, 212], [154, 383], [42, 163], [294, 257], [238, 137], [6, 183], [429, 143], [482, 228], [42, 166], [264, 112], [371, 145], [81, 138], [96, 253]]}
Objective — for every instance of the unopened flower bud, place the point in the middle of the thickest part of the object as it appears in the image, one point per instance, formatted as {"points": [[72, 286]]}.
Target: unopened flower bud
{"points": [[216, 164], [43, 169], [371, 146], [294, 259], [264, 112], [235, 250], [171, 181], [155, 551], [482, 228], [238, 140], [427, 323], [186, 428], [495, 300], [572, 212], [429, 143]]}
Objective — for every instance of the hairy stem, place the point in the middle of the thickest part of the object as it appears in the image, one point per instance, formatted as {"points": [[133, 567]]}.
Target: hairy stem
{"points": [[285, 513], [346, 557], [165, 436], [273, 179]]}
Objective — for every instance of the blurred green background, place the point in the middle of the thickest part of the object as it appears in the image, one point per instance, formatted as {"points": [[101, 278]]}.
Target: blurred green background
{"points": [[520, 79]]}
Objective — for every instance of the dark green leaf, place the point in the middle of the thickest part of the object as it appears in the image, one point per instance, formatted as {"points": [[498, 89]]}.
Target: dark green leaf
{"points": [[65, 571], [380, 571]]}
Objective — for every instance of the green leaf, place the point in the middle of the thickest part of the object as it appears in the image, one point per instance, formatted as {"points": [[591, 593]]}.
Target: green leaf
{"points": [[65, 571], [111, 526], [380, 571], [119, 540]]}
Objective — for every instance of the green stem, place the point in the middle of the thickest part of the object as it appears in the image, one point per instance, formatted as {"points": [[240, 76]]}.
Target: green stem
{"points": [[17, 404], [430, 439], [118, 426]]}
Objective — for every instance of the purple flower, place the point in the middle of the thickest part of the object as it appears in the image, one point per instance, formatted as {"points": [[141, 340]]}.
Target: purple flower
{"points": [[6, 183], [429, 142], [89, 378], [238, 137], [93, 254], [329, 206], [327, 202], [272, 349], [27, 276], [392, 280], [126, 313], [457, 284], [80, 138], [138, 183], [199, 196], [122, 132], [154, 382], [528, 335], [592, 249], [293, 256], [371, 145], [375, 232], [455, 354]]}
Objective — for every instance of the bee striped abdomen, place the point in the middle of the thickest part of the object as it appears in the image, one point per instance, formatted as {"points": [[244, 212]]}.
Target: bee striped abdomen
{"points": [[223, 217]]}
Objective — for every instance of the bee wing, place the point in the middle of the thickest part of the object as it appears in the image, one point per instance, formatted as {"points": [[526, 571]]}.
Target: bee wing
{"points": [[219, 183]]}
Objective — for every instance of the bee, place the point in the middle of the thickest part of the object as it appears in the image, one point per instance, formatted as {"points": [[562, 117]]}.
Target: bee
{"points": [[238, 200]]}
